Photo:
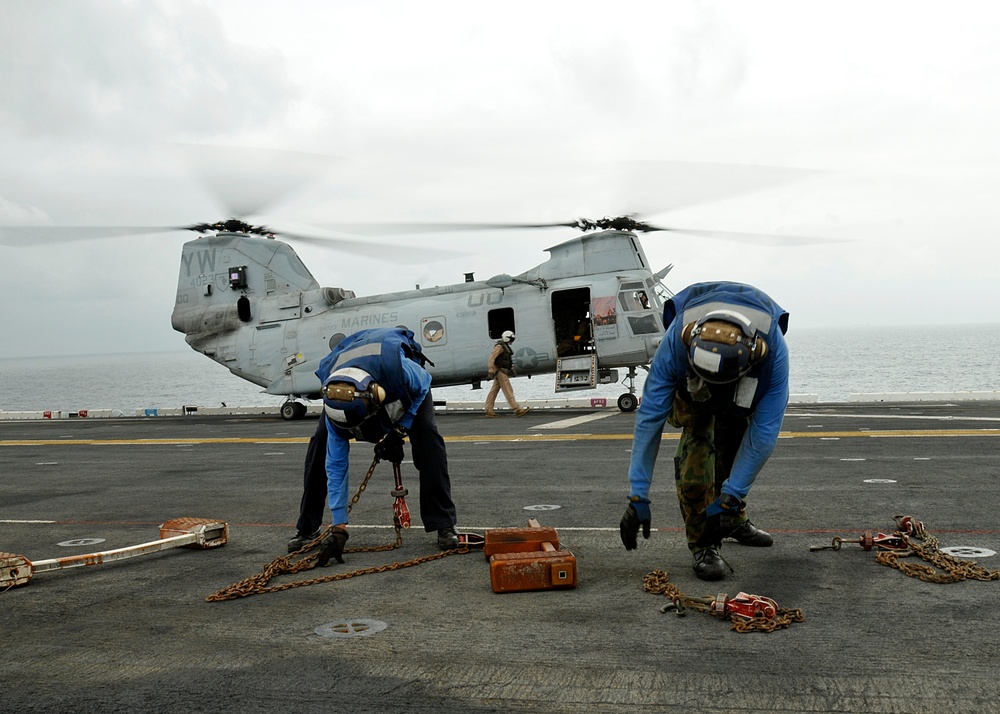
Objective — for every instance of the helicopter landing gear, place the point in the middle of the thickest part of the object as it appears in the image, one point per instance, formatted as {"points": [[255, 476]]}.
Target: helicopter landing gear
{"points": [[628, 401], [293, 409]]}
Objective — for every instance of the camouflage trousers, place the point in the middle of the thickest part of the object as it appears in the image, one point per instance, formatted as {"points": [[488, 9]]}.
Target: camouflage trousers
{"points": [[703, 461]]}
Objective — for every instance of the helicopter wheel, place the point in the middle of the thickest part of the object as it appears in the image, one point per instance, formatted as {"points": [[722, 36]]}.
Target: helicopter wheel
{"points": [[292, 410], [628, 402]]}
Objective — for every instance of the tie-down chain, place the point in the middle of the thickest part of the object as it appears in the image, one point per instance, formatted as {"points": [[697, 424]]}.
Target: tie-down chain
{"points": [[303, 559], [746, 612], [912, 538]]}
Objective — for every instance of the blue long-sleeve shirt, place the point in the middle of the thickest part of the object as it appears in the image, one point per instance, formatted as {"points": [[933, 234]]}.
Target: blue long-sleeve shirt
{"points": [[417, 382], [667, 372]]}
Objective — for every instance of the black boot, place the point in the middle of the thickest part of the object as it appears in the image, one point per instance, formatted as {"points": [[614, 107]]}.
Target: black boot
{"points": [[708, 564], [301, 540], [447, 539], [749, 534]]}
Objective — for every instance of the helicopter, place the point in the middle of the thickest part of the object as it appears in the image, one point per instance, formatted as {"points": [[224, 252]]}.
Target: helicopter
{"points": [[246, 300]]}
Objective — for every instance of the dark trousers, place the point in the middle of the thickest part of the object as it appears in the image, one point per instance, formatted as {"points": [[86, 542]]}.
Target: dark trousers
{"points": [[437, 510]]}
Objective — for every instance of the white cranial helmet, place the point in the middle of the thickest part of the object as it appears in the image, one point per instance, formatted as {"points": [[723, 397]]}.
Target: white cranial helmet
{"points": [[507, 336]]}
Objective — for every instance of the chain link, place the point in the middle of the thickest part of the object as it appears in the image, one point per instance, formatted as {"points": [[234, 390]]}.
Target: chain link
{"points": [[288, 564], [949, 568], [658, 583]]}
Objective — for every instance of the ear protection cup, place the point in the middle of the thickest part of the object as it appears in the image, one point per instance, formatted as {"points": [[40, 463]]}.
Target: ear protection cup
{"points": [[687, 333]]}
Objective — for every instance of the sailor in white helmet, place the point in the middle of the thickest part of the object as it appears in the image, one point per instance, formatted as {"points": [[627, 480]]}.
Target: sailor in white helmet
{"points": [[500, 369]]}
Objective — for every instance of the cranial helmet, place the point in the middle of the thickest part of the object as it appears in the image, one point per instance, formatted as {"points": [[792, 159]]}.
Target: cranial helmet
{"points": [[722, 346], [350, 396], [507, 336]]}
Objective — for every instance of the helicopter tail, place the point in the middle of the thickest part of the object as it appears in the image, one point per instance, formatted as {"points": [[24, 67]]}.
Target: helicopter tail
{"points": [[232, 280]]}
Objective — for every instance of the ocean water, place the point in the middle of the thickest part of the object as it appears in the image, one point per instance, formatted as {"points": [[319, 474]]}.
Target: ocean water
{"points": [[830, 364]]}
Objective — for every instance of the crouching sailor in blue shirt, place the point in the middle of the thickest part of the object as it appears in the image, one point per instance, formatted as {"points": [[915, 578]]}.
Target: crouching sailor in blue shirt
{"points": [[375, 389], [721, 376]]}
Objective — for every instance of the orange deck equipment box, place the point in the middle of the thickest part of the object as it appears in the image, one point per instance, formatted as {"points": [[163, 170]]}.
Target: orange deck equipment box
{"points": [[523, 559]]}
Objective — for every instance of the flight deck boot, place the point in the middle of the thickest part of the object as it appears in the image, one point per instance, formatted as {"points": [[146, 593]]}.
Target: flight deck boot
{"points": [[708, 563], [301, 540], [748, 534], [448, 539]]}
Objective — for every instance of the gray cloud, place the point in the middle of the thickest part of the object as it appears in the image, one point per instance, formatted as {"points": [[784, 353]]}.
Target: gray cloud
{"points": [[132, 70], [457, 111]]}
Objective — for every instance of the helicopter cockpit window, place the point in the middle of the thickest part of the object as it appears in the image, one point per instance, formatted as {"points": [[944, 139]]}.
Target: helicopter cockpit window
{"points": [[634, 300], [644, 324]]}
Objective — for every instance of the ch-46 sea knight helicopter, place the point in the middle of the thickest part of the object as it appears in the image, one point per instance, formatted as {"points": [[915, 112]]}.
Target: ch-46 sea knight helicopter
{"points": [[246, 300]]}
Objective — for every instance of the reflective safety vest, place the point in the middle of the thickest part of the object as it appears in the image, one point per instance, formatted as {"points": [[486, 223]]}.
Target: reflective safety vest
{"points": [[766, 318], [380, 353]]}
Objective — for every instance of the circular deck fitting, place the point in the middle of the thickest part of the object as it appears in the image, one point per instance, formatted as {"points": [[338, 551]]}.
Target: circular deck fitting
{"points": [[542, 507], [80, 542], [341, 629], [968, 552]]}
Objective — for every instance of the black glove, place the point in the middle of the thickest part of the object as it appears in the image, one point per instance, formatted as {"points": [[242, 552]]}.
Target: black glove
{"points": [[723, 517], [636, 514], [332, 546], [390, 448]]}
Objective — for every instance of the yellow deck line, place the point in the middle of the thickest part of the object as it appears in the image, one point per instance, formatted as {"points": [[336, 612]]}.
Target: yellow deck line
{"points": [[520, 438]]}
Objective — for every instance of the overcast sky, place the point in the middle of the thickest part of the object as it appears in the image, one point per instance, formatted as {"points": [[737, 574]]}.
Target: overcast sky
{"points": [[873, 125]]}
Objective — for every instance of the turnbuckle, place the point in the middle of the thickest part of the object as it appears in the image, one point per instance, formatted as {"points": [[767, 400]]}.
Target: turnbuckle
{"points": [[867, 541], [743, 605], [746, 605], [400, 513]]}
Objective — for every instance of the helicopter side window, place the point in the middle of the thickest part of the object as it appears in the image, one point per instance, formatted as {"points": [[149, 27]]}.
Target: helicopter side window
{"points": [[500, 320]]}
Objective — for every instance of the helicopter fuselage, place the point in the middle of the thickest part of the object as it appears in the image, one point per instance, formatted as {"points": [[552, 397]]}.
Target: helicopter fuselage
{"points": [[250, 304]]}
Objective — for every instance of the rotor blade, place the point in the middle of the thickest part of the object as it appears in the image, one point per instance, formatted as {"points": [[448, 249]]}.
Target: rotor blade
{"points": [[18, 236], [756, 238], [656, 187], [430, 227], [245, 181], [383, 251]]}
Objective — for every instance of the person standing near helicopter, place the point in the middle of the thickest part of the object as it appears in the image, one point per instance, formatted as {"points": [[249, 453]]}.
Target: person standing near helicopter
{"points": [[500, 368], [720, 375]]}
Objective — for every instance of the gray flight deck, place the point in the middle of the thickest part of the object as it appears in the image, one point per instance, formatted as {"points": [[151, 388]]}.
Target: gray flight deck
{"points": [[138, 635]]}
